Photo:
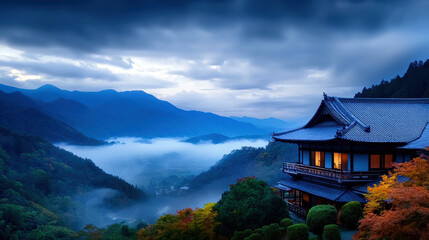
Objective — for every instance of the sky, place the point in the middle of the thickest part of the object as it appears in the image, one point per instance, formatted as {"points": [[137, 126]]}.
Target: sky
{"points": [[234, 58]]}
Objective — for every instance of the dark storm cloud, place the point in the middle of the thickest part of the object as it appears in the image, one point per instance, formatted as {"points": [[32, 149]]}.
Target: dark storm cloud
{"points": [[90, 25], [299, 47]]}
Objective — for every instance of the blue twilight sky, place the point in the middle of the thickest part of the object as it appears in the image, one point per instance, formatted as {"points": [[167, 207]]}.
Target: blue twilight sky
{"points": [[241, 57]]}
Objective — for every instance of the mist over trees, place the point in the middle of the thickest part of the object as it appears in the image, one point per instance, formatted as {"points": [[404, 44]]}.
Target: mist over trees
{"points": [[39, 184], [264, 163]]}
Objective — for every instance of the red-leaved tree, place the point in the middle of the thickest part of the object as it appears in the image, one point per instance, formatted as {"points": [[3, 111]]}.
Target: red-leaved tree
{"points": [[398, 210]]}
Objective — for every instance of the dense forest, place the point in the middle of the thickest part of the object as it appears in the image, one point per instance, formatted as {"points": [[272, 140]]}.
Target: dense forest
{"points": [[40, 185], [264, 163], [414, 84]]}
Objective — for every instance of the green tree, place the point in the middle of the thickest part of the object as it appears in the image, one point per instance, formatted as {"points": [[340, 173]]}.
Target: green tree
{"points": [[297, 232], [249, 204], [350, 214], [272, 231], [241, 235], [91, 232], [285, 223], [254, 236], [331, 232], [49, 232], [319, 216]]}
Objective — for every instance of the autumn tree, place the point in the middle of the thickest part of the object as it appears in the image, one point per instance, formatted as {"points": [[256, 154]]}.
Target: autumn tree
{"points": [[187, 224], [398, 208]]}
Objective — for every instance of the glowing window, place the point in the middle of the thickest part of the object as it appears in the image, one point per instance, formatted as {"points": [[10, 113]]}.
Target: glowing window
{"points": [[306, 197], [317, 159], [388, 161], [337, 160], [375, 161], [341, 161]]}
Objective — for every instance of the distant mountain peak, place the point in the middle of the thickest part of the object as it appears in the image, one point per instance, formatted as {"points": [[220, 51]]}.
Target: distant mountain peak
{"points": [[48, 87]]}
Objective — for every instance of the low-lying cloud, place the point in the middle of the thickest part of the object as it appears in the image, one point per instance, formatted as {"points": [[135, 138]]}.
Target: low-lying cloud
{"points": [[143, 161], [139, 161]]}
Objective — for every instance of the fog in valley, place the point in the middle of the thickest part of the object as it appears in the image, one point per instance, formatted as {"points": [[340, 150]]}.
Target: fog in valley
{"points": [[160, 167]]}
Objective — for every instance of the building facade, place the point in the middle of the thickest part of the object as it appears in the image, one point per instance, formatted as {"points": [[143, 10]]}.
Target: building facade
{"points": [[347, 145]]}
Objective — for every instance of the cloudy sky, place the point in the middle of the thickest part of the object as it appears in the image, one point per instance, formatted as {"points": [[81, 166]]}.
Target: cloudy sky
{"points": [[239, 57]]}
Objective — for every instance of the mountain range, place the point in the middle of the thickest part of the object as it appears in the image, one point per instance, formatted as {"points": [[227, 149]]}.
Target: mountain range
{"points": [[109, 113], [24, 115]]}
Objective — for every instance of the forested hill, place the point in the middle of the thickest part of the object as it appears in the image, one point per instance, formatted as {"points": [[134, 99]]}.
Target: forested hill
{"points": [[22, 114], [414, 84], [263, 163], [40, 188]]}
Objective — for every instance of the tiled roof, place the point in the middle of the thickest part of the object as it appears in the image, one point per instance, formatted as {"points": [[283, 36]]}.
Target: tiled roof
{"points": [[366, 120], [364, 188], [321, 132], [420, 143], [331, 193]]}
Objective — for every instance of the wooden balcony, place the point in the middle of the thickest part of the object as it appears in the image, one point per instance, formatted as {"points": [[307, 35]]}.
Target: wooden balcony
{"points": [[299, 211], [331, 174]]}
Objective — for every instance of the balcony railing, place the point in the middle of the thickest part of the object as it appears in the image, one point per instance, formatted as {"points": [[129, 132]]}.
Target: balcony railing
{"points": [[301, 212], [329, 173]]}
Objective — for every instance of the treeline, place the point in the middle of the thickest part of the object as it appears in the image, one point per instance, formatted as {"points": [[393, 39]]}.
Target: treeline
{"points": [[414, 84], [38, 183], [264, 163]]}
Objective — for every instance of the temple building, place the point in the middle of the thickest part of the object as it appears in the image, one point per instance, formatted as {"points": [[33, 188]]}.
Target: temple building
{"points": [[347, 145]]}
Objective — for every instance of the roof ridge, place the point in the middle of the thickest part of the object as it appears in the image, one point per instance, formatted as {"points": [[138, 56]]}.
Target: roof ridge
{"points": [[329, 103], [398, 100], [350, 115], [342, 194]]}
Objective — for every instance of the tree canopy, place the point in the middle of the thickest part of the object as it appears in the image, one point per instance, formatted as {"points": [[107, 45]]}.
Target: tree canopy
{"points": [[414, 84], [398, 209], [187, 224], [249, 204]]}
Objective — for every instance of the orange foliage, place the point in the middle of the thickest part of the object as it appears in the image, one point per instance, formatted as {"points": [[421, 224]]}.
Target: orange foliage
{"points": [[187, 224], [398, 210], [416, 170]]}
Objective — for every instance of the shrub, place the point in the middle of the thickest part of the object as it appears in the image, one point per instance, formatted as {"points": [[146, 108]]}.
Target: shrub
{"points": [[331, 232], [258, 231], [350, 214], [297, 232], [272, 231], [319, 216], [315, 237], [285, 223], [254, 236], [241, 235]]}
